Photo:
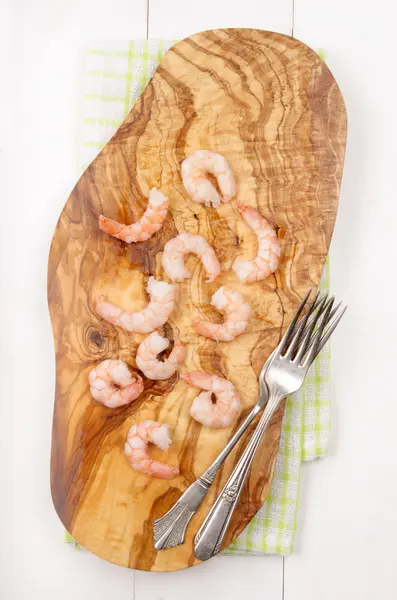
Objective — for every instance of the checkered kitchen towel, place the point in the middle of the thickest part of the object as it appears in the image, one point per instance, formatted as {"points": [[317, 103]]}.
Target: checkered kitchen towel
{"points": [[115, 76]]}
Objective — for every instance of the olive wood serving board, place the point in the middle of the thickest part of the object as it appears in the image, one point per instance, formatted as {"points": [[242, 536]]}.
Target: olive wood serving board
{"points": [[270, 105]]}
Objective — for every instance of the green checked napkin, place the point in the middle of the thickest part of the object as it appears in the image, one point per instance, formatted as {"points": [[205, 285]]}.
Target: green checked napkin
{"points": [[115, 76]]}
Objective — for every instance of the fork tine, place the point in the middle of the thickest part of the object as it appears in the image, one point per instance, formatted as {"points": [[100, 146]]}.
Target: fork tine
{"points": [[312, 347], [316, 304], [319, 308], [331, 328], [318, 299], [297, 331], [305, 342], [306, 324], [315, 301], [315, 315], [335, 310], [291, 326]]}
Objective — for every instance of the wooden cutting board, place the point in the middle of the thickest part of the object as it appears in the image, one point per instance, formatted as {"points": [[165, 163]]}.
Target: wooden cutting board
{"points": [[270, 105]]}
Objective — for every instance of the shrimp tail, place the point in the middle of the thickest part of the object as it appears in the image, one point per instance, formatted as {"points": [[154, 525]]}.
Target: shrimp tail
{"points": [[131, 392], [241, 207], [178, 352], [107, 310], [150, 222], [110, 226], [206, 329], [162, 470], [185, 377], [267, 258]]}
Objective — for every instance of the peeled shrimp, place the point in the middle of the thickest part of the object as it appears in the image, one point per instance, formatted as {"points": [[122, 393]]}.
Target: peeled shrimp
{"points": [[104, 379], [147, 320], [266, 260], [148, 224], [150, 348], [187, 243], [136, 449], [237, 311], [201, 190], [227, 406]]}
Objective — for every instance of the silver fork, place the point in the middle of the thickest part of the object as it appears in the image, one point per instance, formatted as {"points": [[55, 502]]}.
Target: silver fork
{"points": [[169, 530], [283, 375]]}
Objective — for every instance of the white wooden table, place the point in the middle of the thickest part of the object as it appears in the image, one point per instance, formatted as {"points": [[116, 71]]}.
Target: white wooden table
{"points": [[346, 547]]}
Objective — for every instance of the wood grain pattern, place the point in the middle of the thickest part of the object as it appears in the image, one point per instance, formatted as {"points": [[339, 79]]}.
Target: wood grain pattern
{"points": [[272, 108]]}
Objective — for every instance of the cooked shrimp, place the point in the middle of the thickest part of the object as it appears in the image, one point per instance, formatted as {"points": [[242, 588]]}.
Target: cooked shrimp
{"points": [[136, 449], [150, 348], [148, 224], [266, 260], [187, 243], [112, 383], [154, 315], [227, 406], [237, 311], [201, 190]]}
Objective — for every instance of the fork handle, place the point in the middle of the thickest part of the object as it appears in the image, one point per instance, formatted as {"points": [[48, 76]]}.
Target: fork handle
{"points": [[210, 535], [170, 529]]}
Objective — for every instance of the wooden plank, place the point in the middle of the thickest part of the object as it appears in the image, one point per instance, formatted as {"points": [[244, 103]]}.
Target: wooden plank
{"points": [[172, 19], [274, 111], [44, 57], [175, 19], [348, 520], [231, 577]]}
